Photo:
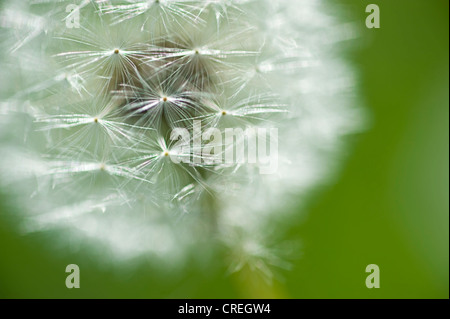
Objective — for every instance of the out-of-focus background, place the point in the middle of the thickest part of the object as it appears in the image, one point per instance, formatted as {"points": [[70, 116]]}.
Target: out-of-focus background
{"points": [[388, 206]]}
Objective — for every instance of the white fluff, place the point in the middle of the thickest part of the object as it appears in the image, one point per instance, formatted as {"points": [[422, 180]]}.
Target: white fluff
{"points": [[90, 110]]}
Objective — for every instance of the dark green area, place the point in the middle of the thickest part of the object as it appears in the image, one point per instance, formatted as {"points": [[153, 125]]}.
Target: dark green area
{"points": [[389, 205]]}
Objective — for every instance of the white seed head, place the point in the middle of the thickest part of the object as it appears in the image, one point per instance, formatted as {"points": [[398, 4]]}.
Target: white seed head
{"points": [[87, 116]]}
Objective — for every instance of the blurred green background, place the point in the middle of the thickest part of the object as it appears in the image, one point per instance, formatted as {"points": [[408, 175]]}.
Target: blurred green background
{"points": [[388, 206]]}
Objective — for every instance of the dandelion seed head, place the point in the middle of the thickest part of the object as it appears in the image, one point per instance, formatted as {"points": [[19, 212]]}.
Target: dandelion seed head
{"points": [[87, 116]]}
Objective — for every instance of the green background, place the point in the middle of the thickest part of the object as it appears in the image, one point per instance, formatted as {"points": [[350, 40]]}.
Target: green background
{"points": [[388, 206]]}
